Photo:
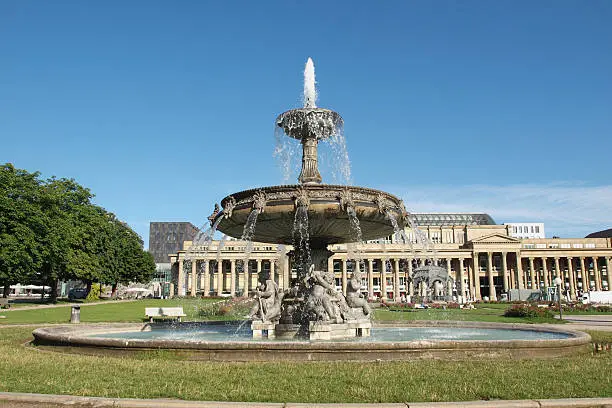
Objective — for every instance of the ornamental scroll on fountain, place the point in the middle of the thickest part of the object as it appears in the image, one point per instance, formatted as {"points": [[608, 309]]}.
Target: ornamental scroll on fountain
{"points": [[310, 216]]}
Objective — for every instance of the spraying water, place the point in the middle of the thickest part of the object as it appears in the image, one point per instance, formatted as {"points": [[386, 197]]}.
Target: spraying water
{"points": [[301, 239], [310, 91]]}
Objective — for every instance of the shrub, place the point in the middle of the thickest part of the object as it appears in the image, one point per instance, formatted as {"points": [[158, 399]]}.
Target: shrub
{"points": [[528, 311], [94, 293]]}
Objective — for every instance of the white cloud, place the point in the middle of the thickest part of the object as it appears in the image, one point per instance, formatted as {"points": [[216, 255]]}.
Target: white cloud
{"points": [[568, 210]]}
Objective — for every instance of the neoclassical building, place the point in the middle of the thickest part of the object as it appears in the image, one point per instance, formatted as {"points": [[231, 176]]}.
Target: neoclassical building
{"points": [[483, 259]]}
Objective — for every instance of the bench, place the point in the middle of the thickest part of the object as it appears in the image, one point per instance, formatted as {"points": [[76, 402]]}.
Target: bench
{"points": [[4, 303], [164, 312]]}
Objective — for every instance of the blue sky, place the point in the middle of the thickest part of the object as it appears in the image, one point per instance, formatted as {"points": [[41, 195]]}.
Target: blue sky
{"points": [[163, 108]]}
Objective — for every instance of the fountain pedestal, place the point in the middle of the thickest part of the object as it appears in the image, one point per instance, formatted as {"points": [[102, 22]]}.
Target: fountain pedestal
{"points": [[263, 329]]}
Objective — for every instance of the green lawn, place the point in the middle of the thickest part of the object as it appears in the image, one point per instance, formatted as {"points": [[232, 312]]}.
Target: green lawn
{"points": [[28, 369], [106, 312], [482, 313]]}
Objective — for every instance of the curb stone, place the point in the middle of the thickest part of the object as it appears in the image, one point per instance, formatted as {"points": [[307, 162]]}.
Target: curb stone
{"points": [[26, 400]]}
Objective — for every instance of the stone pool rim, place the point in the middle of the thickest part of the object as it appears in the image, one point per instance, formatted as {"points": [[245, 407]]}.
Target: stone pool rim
{"points": [[76, 337]]}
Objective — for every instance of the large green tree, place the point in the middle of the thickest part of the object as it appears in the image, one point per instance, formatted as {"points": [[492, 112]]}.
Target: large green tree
{"points": [[21, 224], [51, 231]]}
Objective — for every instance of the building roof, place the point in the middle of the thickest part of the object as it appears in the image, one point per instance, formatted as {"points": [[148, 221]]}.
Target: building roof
{"points": [[601, 234], [446, 219]]}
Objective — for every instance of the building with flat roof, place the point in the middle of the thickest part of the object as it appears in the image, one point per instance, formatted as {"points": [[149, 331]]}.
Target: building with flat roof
{"points": [[526, 230], [484, 260], [167, 238]]}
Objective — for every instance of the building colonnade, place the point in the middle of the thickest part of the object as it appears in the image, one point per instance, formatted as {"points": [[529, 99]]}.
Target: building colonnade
{"points": [[477, 274]]}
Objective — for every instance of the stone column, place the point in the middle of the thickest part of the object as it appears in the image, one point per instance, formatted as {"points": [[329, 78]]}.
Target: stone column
{"points": [[532, 273], [181, 279], [286, 272], [492, 294], [233, 277], [409, 279], [609, 273], [194, 281], [520, 276], [206, 275], [570, 274], [596, 273], [505, 273], [396, 273], [330, 264], [383, 279], [370, 280], [258, 271], [202, 275], [586, 280], [272, 271], [449, 285], [476, 274], [545, 270], [219, 277], [344, 276], [461, 283]]}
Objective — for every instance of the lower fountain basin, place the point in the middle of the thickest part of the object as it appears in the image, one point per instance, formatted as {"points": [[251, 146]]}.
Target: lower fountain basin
{"points": [[328, 221], [390, 341]]}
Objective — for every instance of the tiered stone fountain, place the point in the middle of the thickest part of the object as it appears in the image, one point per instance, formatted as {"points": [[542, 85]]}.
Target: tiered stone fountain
{"points": [[310, 216]]}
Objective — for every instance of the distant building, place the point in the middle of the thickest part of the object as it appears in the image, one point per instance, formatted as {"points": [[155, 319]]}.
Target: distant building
{"points": [[601, 234], [483, 259], [526, 230], [167, 238]]}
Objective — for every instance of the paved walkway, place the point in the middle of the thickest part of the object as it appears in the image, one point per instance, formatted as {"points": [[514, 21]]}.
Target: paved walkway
{"points": [[22, 400], [48, 306], [601, 322]]}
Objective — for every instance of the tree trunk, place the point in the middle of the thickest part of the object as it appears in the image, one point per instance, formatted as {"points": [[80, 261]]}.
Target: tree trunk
{"points": [[114, 291], [7, 289], [53, 294], [88, 287]]}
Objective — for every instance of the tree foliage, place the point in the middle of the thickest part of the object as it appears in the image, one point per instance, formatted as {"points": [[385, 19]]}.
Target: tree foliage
{"points": [[50, 230]]}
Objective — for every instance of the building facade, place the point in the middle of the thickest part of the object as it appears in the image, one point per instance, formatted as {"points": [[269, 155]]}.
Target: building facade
{"points": [[484, 260], [167, 238], [526, 230]]}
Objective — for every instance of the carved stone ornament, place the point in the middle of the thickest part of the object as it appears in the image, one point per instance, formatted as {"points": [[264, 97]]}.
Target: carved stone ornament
{"points": [[301, 198], [214, 214], [403, 212], [259, 201], [228, 208], [382, 203], [346, 199]]}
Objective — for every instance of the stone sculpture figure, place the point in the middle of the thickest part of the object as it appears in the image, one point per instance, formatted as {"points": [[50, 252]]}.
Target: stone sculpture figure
{"points": [[268, 296], [319, 304], [354, 297], [438, 289]]}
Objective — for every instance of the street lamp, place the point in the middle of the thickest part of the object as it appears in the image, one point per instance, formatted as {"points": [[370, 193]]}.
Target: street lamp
{"points": [[558, 282]]}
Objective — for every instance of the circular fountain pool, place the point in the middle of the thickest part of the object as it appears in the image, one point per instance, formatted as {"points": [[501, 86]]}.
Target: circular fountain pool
{"points": [[233, 342]]}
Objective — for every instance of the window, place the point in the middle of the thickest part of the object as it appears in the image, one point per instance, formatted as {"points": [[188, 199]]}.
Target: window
{"points": [[537, 229], [577, 245], [590, 245]]}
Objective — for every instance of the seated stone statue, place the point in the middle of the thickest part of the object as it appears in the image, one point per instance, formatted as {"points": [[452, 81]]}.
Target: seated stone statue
{"points": [[267, 295], [354, 298]]}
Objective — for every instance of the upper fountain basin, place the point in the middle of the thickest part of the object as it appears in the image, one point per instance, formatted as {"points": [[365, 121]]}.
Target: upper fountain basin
{"points": [[304, 123], [328, 219]]}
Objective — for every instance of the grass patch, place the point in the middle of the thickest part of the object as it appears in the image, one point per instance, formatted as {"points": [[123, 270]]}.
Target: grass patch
{"points": [[132, 311], [26, 369], [482, 313]]}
